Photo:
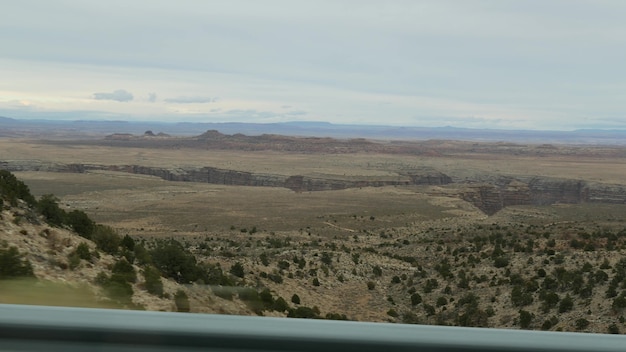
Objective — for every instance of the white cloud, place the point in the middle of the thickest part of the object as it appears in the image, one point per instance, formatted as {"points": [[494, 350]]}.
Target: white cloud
{"points": [[120, 95], [191, 100]]}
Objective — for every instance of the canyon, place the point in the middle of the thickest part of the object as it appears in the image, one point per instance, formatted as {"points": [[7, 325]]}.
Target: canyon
{"points": [[489, 194]]}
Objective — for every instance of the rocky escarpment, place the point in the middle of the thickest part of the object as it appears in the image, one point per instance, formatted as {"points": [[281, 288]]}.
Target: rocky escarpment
{"points": [[489, 193], [421, 177], [492, 197], [298, 183]]}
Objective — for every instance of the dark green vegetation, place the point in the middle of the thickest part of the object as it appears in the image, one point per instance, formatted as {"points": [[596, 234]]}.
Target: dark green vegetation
{"points": [[13, 264], [12, 190]]}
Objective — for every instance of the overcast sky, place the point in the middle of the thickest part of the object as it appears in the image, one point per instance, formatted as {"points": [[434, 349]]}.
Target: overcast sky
{"points": [[544, 64]]}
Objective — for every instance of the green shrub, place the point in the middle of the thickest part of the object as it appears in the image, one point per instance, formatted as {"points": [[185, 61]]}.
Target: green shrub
{"points": [[525, 318], [252, 299], [115, 287], [128, 243], [619, 302], [248, 294], [283, 265], [416, 299], [275, 277], [501, 262], [295, 299], [106, 239], [280, 305], [142, 256], [430, 285], [264, 259], [13, 189], [120, 291], [153, 283], [13, 264], [124, 270], [327, 258], [519, 298], [430, 310], [581, 323], [82, 251], [266, 297], [48, 206], [237, 270], [335, 316], [566, 304], [303, 312], [80, 223], [182, 301], [175, 262], [223, 292], [549, 323]]}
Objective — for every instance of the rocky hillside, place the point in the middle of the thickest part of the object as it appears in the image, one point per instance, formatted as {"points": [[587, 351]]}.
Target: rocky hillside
{"points": [[560, 268], [51, 257]]}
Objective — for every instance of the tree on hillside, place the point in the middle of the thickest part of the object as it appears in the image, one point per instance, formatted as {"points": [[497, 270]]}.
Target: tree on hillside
{"points": [[153, 283], [237, 269], [106, 239], [128, 243], [12, 264], [48, 206], [295, 299], [182, 301], [13, 189], [175, 262], [80, 223]]}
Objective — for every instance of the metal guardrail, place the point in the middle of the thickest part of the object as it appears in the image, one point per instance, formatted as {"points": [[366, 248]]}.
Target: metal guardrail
{"points": [[37, 328]]}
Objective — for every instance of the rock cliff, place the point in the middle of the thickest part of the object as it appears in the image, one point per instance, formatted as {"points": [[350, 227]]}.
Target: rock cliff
{"points": [[492, 197], [489, 193]]}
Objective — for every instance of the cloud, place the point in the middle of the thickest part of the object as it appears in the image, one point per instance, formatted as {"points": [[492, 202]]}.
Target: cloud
{"points": [[152, 97], [296, 113], [118, 95], [191, 100]]}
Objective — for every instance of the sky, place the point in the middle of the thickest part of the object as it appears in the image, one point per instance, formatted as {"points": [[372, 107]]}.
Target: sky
{"points": [[498, 64]]}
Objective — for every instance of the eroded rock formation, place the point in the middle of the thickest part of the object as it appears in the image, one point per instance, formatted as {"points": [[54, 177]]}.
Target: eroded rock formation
{"points": [[489, 193]]}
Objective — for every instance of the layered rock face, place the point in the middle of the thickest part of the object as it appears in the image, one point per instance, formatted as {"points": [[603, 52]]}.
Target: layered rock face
{"points": [[213, 175], [492, 197], [488, 193]]}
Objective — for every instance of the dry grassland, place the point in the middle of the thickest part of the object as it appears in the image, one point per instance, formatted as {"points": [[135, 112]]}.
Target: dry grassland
{"points": [[147, 205]]}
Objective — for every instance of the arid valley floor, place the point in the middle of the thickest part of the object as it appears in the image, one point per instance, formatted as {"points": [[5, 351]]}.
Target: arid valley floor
{"points": [[431, 232]]}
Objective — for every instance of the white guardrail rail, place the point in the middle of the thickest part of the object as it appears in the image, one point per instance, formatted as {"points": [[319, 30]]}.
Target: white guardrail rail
{"points": [[42, 328]]}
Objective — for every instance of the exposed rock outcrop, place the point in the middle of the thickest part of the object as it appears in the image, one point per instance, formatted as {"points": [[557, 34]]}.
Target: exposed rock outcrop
{"points": [[489, 193], [214, 175], [492, 197]]}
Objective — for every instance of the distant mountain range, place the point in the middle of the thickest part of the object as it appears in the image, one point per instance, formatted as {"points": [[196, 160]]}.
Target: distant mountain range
{"points": [[63, 128]]}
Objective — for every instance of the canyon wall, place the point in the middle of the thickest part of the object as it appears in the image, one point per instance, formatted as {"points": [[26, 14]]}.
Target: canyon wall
{"points": [[492, 197], [489, 193]]}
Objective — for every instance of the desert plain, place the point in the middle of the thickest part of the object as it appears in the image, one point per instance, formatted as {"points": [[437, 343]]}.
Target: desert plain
{"points": [[376, 222]]}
